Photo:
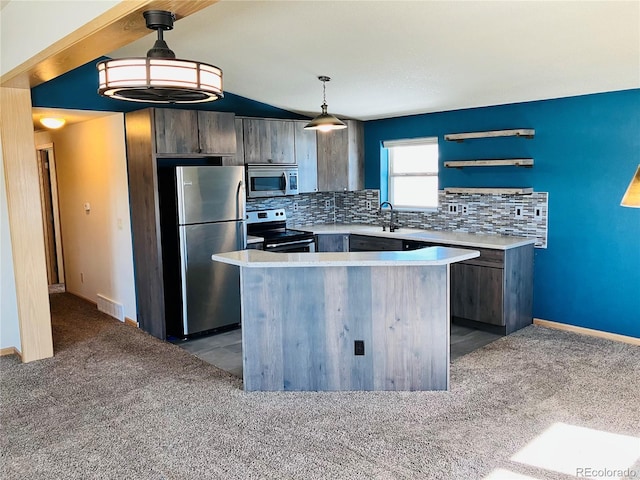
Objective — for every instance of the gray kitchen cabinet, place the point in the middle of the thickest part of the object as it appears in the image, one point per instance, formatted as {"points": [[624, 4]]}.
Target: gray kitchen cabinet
{"points": [[341, 158], [332, 242], [268, 141], [239, 158], [306, 154], [157, 139], [366, 243], [494, 290], [191, 132]]}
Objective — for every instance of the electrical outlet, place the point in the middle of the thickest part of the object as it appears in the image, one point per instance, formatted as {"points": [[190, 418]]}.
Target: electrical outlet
{"points": [[358, 347], [519, 212], [295, 206], [327, 204], [453, 208], [368, 204], [464, 208]]}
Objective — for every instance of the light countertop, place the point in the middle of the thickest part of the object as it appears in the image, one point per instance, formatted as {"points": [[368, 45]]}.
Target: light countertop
{"points": [[252, 239], [430, 256], [461, 239]]}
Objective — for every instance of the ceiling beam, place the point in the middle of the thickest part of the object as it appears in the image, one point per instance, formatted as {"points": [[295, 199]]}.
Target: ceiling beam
{"points": [[115, 28]]}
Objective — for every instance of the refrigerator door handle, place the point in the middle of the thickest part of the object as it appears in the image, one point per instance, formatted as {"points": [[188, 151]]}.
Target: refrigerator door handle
{"points": [[239, 200], [240, 194], [183, 276]]}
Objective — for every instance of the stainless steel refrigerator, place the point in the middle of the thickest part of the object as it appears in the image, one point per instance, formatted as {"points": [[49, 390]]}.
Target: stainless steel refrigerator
{"points": [[207, 217]]}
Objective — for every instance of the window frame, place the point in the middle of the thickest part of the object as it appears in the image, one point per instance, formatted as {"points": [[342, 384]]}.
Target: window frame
{"points": [[389, 145]]}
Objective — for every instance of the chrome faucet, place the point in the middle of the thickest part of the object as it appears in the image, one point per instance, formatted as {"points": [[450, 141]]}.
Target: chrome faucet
{"points": [[392, 224]]}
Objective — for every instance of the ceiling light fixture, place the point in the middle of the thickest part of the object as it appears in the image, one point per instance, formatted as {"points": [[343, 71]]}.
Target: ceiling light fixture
{"points": [[632, 195], [159, 77], [325, 122], [52, 122]]}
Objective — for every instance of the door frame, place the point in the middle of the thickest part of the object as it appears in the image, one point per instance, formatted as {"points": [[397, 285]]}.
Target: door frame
{"points": [[55, 205]]}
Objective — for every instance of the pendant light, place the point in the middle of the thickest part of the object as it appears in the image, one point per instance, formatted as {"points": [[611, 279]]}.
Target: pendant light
{"points": [[632, 195], [159, 77], [325, 122]]}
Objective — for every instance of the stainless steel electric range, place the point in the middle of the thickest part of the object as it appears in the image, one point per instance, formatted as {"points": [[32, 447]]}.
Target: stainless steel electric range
{"points": [[272, 226]]}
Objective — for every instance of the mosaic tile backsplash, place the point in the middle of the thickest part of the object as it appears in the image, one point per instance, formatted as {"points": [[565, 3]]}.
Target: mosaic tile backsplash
{"points": [[513, 215]]}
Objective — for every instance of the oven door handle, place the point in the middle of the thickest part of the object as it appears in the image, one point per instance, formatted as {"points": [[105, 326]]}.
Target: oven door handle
{"points": [[296, 242]]}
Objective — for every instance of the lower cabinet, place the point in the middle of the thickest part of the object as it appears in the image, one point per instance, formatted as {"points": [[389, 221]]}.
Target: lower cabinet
{"points": [[494, 290], [332, 242], [476, 293]]}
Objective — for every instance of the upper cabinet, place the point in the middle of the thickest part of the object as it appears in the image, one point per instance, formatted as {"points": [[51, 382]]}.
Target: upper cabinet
{"points": [[239, 158], [217, 132], [306, 157], [189, 132], [268, 141], [341, 158], [327, 161]]}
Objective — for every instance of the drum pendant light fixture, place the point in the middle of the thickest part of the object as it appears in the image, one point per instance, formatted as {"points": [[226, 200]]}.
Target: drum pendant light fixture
{"points": [[159, 77], [325, 122]]}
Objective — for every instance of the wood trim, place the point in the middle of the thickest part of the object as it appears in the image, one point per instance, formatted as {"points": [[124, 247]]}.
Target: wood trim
{"points": [[587, 331], [25, 223], [491, 190], [130, 322], [117, 27], [518, 132], [9, 351], [55, 200]]}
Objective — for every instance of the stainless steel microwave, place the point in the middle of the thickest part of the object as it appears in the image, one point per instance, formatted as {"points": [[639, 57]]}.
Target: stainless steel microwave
{"points": [[272, 180]]}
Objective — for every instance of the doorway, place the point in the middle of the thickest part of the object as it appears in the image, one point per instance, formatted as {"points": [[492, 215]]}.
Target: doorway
{"points": [[50, 217]]}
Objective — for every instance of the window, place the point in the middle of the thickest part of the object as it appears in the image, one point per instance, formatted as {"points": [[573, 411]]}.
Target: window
{"points": [[413, 173]]}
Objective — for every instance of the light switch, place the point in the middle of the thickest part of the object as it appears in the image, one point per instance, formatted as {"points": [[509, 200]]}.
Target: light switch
{"points": [[87, 207]]}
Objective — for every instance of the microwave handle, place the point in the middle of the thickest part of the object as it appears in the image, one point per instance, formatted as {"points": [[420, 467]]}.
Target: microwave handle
{"points": [[286, 182]]}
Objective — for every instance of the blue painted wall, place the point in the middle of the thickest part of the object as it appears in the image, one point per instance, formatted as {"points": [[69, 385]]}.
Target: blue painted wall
{"points": [[586, 150], [78, 89]]}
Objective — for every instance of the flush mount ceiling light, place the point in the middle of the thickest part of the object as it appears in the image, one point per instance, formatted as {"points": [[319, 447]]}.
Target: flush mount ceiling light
{"points": [[325, 122], [52, 122], [632, 195], [159, 77]]}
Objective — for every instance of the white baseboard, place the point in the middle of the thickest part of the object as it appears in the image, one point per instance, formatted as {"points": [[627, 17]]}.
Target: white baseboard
{"points": [[587, 331]]}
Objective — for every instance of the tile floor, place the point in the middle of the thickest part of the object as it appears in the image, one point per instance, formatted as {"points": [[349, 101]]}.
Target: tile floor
{"points": [[224, 350]]}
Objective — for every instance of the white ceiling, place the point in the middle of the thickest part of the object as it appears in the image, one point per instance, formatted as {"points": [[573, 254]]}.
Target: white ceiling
{"points": [[392, 58]]}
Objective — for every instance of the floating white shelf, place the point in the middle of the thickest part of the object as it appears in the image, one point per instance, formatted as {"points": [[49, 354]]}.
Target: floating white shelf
{"points": [[491, 191], [517, 132], [518, 162]]}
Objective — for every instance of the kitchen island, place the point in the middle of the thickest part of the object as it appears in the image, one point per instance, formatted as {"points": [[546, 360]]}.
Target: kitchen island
{"points": [[345, 321]]}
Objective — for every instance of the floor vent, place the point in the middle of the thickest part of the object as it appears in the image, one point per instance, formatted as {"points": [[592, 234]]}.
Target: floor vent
{"points": [[110, 307]]}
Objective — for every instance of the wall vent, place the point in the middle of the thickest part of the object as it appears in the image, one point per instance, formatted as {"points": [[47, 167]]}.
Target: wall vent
{"points": [[110, 307]]}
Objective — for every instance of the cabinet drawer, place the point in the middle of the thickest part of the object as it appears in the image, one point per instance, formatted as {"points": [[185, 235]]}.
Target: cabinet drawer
{"points": [[363, 243], [488, 257]]}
